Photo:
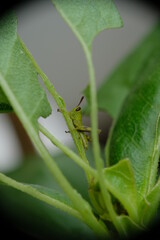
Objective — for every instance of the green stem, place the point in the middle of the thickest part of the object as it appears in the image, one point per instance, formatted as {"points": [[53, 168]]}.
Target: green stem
{"points": [[93, 100], [61, 105], [42, 197], [78, 202], [68, 151], [96, 148]]}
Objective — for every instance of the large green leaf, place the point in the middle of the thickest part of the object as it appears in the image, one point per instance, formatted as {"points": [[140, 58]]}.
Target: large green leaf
{"points": [[18, 77], [87, 18], [121, 183], [136, 132], [139, 63], [132, 69]]}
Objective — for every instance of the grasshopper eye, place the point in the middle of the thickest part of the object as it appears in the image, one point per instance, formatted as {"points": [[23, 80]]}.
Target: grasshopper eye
{"points": [[78, 109]]}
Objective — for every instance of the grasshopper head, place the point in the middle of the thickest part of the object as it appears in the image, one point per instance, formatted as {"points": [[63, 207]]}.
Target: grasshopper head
{"points": [[75, 113]]}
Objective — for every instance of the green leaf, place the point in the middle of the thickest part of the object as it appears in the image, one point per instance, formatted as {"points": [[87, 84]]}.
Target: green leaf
{"points": [[87, 18], [136, 132], [39, 218], [52, 193], [18, 77], [149, 205], [121, 183], [132, 69], [34, 171]]}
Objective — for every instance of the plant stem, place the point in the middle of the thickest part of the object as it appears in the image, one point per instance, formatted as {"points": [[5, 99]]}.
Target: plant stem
{"points": [[37, 194], [77, 201], [96, 148], [68, 151], [61, 105]]}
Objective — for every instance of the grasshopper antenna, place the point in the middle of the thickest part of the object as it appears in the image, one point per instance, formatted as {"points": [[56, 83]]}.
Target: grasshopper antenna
{"points": [[80, 101]]}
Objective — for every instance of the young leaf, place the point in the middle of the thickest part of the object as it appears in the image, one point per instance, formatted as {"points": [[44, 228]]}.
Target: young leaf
{"points": [[129, 226], [18, 77], [87, 18], [121, 183], [136, 132], [140, 61], [149, 205]]}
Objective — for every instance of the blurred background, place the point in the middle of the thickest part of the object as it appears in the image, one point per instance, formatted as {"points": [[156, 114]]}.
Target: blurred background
{"points": [[61, 57]]}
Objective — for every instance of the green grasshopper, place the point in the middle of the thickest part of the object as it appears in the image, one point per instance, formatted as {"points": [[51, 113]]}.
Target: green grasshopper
{"points": [[76, 116]]}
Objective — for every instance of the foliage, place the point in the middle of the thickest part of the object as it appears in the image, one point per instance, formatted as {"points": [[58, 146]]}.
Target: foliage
{"points": [[120, 195]]}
